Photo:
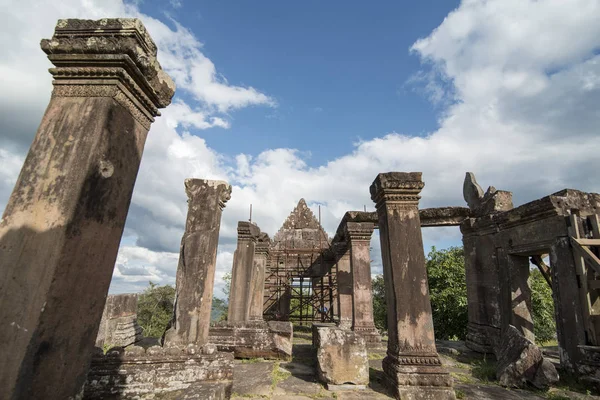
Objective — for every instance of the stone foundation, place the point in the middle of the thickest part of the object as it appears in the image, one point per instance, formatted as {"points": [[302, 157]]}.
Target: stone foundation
{"points": [[142, 374], [254, 339]]}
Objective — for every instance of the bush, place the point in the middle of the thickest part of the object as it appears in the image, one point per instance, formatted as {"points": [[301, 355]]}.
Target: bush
{"points": [[542, 304], [155, 309], [379, 303], [448, 292]]}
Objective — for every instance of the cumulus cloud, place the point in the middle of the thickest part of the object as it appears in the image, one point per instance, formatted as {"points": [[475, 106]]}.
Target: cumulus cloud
{"points": [[518, 86]]}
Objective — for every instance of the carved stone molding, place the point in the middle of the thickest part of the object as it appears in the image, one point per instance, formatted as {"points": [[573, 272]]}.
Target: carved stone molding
{"points": [[247, 231], [359, 231], [90, 56], [398, 188]]}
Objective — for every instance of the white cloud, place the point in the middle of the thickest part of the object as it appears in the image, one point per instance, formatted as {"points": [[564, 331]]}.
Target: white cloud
{"points": [[518, 82]]}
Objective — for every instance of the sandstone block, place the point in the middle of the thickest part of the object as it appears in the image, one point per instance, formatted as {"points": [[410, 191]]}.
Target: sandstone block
{"points": [[341, 357], [520, 362]]}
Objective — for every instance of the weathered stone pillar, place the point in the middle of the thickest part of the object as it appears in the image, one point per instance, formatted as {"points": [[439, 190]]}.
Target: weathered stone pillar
{"points": [[261, 255], [520, 296], [61, 229], [412, 365], [344, 284], [359, 242], [241, 273], [197, 262]]}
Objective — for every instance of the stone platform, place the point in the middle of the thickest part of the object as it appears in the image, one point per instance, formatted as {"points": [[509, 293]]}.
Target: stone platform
{"points": [[255, 339], [157, 372]]}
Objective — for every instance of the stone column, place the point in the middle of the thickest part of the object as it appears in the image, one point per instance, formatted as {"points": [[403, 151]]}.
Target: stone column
{"points": [[261, 255], [520, 296], [412, 366], [241, 273], [197, 263], [359, 242], [344, 284], [61, 229]]}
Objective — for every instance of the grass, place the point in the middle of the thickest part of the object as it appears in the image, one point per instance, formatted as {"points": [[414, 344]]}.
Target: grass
{"points": [[484, 370], [460, 394], [251, 360], [278, 375]]}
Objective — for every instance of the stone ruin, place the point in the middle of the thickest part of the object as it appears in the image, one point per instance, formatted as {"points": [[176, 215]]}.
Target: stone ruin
{"points": [[119, 326], [60, 233]]}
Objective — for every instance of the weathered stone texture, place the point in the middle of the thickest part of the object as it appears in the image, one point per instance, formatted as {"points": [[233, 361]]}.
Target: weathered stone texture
{"points": [[520, 362], [137, 373], [257, 289], [269, 340], [341, 356], [241, 272], [412, 365], [359, 242], [197, 262], [119, 326], [62, 226]]}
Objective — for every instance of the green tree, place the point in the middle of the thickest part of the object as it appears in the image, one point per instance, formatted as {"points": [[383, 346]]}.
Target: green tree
{"points": [[218, 311], [542, 304], [448, 292], [379, 303], [155, 309]]}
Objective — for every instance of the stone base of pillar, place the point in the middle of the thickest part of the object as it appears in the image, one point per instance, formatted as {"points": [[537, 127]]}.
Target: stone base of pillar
{"points": [[371, 336], [480, 338], [254, 339], [141, 373], [418, 377]]}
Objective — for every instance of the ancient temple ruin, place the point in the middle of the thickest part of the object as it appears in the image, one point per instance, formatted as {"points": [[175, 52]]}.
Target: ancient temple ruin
{"points": [[60, 233]]}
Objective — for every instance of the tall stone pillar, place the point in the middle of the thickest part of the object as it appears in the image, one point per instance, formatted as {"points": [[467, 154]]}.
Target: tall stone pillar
{"points": [[61, 229], [197, 262], [344, 284], [359, 243], [261, 255], [412, 365], [241, 273]]}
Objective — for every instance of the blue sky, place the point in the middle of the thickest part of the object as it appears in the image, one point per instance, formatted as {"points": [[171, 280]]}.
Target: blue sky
{"points": [[339, 71], [288, 100]]}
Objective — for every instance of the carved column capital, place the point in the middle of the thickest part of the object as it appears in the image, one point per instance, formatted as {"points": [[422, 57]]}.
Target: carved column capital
{"points": [[263, 245], [398, 188], [113, 57], [359, 231], [247, 231]]}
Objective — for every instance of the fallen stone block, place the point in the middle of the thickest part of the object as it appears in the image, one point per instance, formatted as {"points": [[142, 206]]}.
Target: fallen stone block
{"points": [[254, 339], [521, 362], [341, 357]]}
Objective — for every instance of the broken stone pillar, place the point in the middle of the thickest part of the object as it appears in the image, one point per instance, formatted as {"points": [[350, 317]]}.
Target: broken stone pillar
{"points": [[342, 361], [412, 366], [359, 242], [119, 326], [61, 229], [520, 362], [344, 282], [197, 263], [261, 255], [241, 273]]}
